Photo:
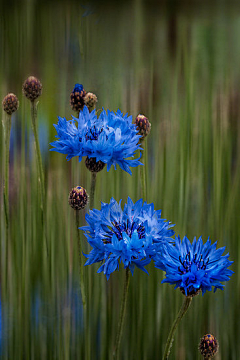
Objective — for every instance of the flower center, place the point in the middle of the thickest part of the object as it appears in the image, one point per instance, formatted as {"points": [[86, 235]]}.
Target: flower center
{"points": [[119, 228], [93, 133], [187, 262]]}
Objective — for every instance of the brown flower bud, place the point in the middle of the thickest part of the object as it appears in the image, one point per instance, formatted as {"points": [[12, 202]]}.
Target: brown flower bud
{"points": [[10, 103], [78, 198], [32, 88], [208, 346], [143, 126]]}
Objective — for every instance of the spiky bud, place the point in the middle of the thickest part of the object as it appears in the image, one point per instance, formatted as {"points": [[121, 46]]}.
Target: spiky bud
{"points": [[78, 198], [77, 97], [10, 103], [90, 100], [32, 88], [208, 346], [143, 126], [93, 165]]}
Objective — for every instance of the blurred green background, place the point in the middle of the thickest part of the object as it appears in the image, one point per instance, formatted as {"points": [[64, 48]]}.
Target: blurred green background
{"points": [[179, 64]]}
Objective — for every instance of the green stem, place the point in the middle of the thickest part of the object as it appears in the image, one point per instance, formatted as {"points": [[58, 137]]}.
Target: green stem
{"points": [[82, 287], [7, 131], [182, 311], [39, 166], [143, 177], [92, 191], [122, 316]]}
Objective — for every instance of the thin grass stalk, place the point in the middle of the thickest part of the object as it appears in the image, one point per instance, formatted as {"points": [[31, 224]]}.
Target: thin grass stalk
{"points": [[182, 312], [40, 168], [122, 316], [143, 178], [7, 131], [82, 287], [92, 190]]}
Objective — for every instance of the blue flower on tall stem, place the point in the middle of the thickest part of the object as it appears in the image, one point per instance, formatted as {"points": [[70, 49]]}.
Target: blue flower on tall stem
{"points": [[132, 236], [111, 138], [194, 267]]}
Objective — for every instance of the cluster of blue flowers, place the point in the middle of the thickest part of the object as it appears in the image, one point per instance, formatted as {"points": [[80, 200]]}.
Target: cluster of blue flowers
{"points": [[137, 234], [111, 138]]}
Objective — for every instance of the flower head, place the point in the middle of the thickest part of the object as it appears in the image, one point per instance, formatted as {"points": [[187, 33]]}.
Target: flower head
{"points": [[143, 126], [78, 198], [77, 97], [10, 103], [32, 88], [194, 267], [132, 236], [111, 138], [90, 100], [208, 346]]}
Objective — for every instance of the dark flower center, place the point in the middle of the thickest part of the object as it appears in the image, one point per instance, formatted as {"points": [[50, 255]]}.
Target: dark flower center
{"points": [[93, 133], [187, 263], [119, 228]]}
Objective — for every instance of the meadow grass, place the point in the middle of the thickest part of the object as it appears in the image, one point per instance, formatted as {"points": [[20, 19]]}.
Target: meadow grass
{"points": [[179, 67]]}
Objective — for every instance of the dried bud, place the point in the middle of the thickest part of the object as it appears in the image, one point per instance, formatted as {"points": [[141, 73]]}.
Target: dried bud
{"points": [[90, 100], [10, 103], [208, 346], [143, 126], [93, 165], [77, 97], [78, 198], [32, 88]]}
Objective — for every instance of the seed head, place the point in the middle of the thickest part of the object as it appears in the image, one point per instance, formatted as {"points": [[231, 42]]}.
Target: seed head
{"points": [[77, 97], [93, 165], [32, 88], [90, 100], [208, 346], [143, 126], [78, 198], [10, 103]]}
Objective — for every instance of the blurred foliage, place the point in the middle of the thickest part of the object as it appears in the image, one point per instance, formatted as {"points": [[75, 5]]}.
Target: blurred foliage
{"points": [[177, 63]]}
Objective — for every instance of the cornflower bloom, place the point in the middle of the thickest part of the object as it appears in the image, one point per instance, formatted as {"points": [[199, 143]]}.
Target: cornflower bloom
{"points": [[132, 236], [111, 138], [194, 267]]}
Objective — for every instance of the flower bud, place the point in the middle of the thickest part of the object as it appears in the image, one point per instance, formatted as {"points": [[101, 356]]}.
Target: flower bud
{"points": [[78, 198], [90, 100], [143, 126], [77, 97], [208, 346], [32, 88], [93, 165], [10, 103]]}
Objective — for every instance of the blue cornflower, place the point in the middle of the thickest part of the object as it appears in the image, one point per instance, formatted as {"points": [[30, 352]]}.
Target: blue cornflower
{"points": [[132, 236], [111, 138], [194, 267]]}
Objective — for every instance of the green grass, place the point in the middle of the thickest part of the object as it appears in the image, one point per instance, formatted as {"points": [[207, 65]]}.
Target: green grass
{"points": [[180, 67]]}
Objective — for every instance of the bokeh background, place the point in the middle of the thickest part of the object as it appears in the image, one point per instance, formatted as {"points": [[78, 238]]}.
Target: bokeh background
{"points": [[179, 64]]}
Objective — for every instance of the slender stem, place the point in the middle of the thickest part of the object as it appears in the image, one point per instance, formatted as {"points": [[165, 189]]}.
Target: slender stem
{"points": [[82, 287], [92, 191], [143, 177], [182, 311], [122, 316], [40, 167], [7, 131]]}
